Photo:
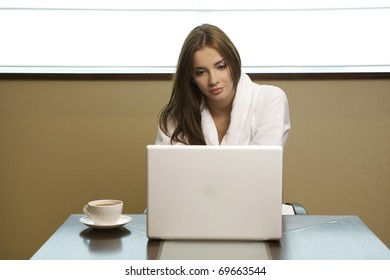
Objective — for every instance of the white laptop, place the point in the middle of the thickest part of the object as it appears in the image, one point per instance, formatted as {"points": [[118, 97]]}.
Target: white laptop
{"points": [[214, 192]]}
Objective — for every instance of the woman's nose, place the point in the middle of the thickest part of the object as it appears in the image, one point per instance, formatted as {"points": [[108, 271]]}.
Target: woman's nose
{"points": [[213, 78]]}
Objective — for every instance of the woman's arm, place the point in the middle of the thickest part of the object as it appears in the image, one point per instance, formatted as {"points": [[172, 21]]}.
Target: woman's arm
{"points": [[272, 118]]}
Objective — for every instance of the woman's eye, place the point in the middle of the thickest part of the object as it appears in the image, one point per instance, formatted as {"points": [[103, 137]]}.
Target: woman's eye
{"points": [[221, 66], [199, 72]]}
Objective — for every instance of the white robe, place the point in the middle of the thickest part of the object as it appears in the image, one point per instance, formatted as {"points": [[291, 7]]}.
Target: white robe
{"points": [[260, 116]]}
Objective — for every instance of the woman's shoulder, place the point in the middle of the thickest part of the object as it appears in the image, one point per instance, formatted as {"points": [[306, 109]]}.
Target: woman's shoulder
{"points": [[265, 91], [262, 89]]}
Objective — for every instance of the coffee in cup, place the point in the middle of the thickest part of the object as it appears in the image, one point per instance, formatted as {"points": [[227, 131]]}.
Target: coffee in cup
{"points": [[104, 211]]}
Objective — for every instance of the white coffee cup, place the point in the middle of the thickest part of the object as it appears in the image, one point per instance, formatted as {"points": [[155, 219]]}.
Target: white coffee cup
{"points": [[104, 211]]}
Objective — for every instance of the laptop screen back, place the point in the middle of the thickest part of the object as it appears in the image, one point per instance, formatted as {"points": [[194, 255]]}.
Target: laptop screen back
{"points": [[214, 192]]}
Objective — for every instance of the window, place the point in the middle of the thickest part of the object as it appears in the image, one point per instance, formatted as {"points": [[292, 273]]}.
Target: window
{"points": [[125, 36]]}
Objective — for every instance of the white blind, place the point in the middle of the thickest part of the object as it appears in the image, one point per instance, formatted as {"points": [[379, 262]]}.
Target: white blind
{"points": [[118, 36]]}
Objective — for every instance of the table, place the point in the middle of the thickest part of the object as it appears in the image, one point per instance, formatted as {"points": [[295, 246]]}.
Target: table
{"points": [[305, 237]]}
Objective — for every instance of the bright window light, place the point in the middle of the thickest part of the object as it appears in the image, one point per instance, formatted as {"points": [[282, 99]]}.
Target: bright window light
{"points": [[124, 36]]}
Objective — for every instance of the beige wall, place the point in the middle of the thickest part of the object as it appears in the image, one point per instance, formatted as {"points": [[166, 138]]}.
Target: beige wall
{"points": [[63, 143]]}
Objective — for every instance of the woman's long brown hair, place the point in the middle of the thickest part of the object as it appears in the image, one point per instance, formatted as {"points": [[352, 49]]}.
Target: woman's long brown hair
{"points": [[184, 107]]}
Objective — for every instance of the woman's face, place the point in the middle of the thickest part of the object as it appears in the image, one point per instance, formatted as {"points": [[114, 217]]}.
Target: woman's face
{"points": [[212, 76]]}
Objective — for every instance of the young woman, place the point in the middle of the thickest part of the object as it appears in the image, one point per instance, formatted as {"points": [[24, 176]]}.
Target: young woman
{"points": [[213, 103]]}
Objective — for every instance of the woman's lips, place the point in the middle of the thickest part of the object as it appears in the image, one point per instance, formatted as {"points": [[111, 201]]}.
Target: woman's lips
{"points": [[216, 90]]}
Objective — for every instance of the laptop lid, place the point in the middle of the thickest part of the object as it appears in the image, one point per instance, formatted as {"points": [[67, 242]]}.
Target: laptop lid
{"points": [[214, 192]]}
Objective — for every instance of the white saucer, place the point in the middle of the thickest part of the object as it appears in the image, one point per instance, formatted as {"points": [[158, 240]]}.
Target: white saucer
{"points": [[122, 221]]}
